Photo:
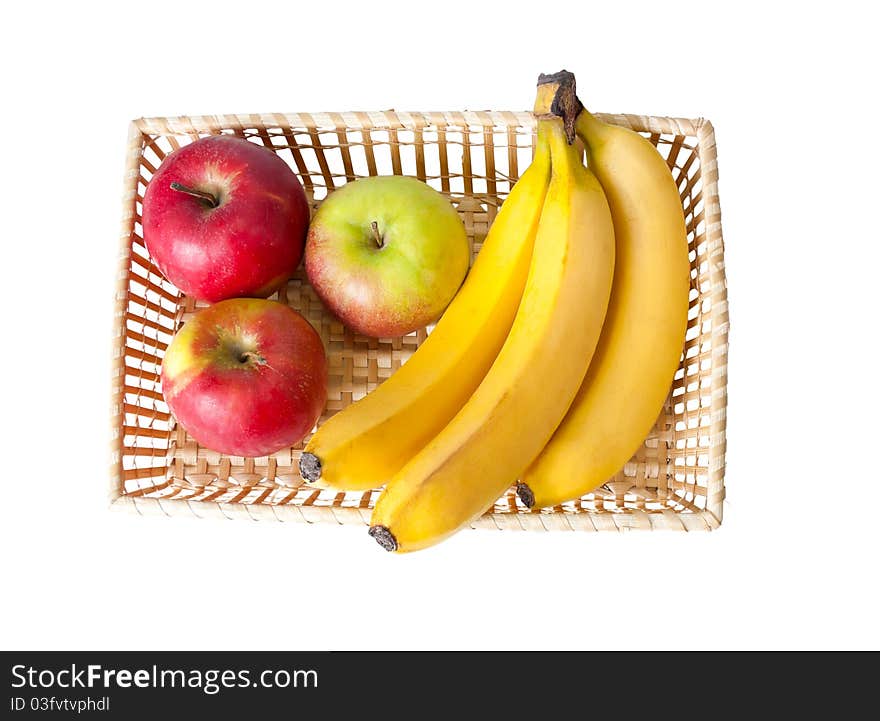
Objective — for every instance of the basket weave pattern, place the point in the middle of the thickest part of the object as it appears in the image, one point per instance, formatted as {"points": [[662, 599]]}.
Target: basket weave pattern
{"points": [[674, 481]]}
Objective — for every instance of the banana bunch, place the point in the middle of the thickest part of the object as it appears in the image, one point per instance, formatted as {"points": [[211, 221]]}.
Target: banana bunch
{"points": [[644, 331], [552, 362]]}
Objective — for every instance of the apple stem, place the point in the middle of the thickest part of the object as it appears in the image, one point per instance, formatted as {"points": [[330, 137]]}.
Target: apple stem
{"points": [[251, 356], [202, 195], [375, 226]]}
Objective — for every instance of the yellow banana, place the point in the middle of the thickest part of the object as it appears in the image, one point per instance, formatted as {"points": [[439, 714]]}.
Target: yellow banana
{"points": [[644, 331], [528, 389], [362, 446]]}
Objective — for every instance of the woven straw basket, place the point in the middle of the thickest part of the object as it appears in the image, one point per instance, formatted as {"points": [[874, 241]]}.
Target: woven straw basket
{"points": [[674, 481]]}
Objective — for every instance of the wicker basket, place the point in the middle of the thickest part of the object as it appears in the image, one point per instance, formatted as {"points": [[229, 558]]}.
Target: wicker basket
{"points": [[674, 481]]}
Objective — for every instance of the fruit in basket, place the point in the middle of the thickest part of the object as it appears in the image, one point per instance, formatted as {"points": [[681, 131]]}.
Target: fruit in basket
{"points": [[386, 254], [642, 341], [363, 445], [525, 394], [224, 218], [246, 377]]}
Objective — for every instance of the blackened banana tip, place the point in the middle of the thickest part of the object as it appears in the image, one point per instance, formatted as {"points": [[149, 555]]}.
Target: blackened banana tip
{"points": [[384, 537], [525, 494], [310, 467]]}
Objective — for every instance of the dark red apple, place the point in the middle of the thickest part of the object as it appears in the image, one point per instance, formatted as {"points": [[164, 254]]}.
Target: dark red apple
{"points": [[246, 377], [225, 218]]}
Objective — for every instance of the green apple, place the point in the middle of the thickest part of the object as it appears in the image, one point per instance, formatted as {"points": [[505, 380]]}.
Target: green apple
{"points": [[386, 254]]}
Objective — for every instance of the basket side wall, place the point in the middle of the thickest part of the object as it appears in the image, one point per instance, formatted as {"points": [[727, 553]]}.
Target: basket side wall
{"points": [[676, 480]]}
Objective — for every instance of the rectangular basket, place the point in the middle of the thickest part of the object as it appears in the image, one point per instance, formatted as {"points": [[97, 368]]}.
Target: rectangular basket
{"points": [[674, 481]]}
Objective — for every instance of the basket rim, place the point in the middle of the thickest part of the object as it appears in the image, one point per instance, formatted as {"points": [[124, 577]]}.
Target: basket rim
{"points": [[396, 119], [701, 128]]}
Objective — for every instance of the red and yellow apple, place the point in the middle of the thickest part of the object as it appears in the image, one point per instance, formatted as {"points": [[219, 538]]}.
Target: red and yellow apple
{"points": [[225, 218], [246, 377], [386, 254]]}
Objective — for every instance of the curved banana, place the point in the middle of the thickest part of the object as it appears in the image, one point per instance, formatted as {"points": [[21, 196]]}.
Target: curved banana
{"points": [[526, 393], [362, 446], [644, 331]]}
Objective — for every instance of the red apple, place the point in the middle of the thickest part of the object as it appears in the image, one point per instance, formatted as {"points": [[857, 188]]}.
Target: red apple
{"points": [[386, 254], [224, 218], [246, 377]]}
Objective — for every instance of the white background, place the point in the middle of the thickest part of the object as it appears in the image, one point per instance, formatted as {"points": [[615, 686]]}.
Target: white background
{"points": [[793, 96]]}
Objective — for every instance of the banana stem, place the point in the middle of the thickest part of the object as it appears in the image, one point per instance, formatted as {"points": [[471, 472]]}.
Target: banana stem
{"points": [[559, 89]]}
